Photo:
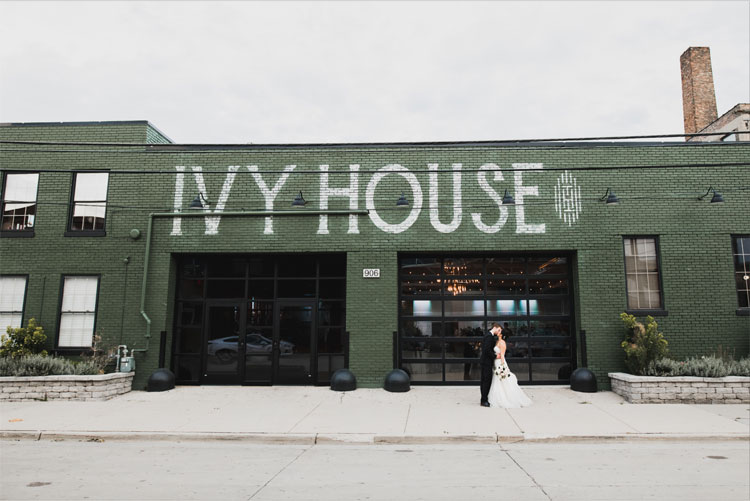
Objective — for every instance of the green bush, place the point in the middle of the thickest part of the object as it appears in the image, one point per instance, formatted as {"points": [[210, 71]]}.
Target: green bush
{"points": [[711, 366], [42, 365], [21, 341], [643, 344]]}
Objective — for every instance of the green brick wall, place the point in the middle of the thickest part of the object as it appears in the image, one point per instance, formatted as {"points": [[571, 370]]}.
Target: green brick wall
{"points": [[694, 236], [136, 131]]}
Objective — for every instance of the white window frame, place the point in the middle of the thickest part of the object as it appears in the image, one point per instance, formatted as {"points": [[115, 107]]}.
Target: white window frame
{"points": [[647, 282], [79, 299], [20, 203], [737, 250], [11, 306], [88, 205]]}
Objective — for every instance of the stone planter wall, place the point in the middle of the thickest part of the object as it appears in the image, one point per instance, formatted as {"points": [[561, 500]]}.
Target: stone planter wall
{"points": [[96, 387], [681, 390]]}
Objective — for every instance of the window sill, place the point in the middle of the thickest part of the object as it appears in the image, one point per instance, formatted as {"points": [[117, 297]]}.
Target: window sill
{"points": [[86, 233], [743, 312], [16, 234], [72, 351], [644, 313]]}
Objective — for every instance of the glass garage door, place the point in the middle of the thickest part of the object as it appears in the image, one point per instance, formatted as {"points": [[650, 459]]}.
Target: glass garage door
{"points": [[448, 302]]}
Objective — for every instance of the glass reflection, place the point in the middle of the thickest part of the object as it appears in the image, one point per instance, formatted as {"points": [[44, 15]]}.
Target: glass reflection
{"points": [[418, 266], [331, 289], [191, 314], [520, 369], [188, 369], [420, 287], [464, 328], [462, 266], [330, 313], [258, 351], [463, 286], [225, 289], [223, 339], [463, 349], [189, 340], [506, 266], [506, 287], [553, 348], [464, 308], [420, 328], [552, 306], [497, 307], [551, 371], [331, 340], [550, 328], [548, 266], [548, 286], [191, 289], [260, 313], [421, 348], [420, 372], [295, 324], [421, 308], [468, 371]]}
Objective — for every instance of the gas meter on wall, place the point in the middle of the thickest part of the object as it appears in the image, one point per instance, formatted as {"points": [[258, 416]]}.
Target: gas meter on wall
{"points": [[127, 364]]}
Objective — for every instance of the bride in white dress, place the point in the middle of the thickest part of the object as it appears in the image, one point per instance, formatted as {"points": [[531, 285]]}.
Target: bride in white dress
{"points": [[504, 391]]}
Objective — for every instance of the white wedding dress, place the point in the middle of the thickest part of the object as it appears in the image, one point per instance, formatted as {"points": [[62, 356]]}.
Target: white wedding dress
{"points": [[505, 392]]}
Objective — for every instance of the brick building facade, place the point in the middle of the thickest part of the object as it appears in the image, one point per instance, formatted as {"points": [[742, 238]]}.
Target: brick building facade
{"points": [[110, 228]]}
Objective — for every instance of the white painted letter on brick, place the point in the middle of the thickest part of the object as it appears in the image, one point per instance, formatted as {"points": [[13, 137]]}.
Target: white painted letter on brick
{"points": [[179, 187], [521, 191], [494, 196], [270, 194], [352, 192], [212, 222], [416, 192], [434, 210]]}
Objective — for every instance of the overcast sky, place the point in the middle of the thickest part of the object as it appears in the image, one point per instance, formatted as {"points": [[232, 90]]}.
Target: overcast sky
{"points": [[289, 72]]}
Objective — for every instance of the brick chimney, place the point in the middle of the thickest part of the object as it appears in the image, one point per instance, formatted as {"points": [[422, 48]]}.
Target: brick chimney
{"points": [[698, 96]]}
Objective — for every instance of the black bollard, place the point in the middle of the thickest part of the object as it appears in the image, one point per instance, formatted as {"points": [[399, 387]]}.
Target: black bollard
{"points": [[160, 380], [583, 380], [397, 381], [343, 380]]}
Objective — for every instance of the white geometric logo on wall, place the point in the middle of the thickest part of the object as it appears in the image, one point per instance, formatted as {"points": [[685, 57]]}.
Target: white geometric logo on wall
{"points": [[567, 198]]}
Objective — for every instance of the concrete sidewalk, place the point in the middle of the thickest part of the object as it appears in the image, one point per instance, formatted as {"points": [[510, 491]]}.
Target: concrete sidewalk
{"points": [[426, 414]]}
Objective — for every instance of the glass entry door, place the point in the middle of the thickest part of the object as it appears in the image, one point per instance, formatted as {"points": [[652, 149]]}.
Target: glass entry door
{"points": [[293, 342], [224, 345], [237, 350], [259, 319]]}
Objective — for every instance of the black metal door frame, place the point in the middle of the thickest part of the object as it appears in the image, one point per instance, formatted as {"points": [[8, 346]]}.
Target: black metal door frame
{"points": [[238, 377]]}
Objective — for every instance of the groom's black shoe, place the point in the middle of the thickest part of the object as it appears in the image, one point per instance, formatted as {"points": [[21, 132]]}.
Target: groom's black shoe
{"points": [[485, 404]]}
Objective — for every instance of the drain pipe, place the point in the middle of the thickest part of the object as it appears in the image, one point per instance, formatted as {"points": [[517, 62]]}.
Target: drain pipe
{"points": [[146, 260], [255, 213]]}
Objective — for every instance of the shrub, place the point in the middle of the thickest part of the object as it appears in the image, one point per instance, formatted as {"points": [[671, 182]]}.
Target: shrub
{"points": [[711, 366], [42, 365], [21, 341], [98, 356], [643, 343]]}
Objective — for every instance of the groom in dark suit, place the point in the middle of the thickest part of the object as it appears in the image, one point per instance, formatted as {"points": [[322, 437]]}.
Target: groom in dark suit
{"points": [[487, 361]]}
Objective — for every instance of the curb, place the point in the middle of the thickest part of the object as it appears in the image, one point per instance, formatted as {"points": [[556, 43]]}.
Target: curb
{"points": [[354, 439]]}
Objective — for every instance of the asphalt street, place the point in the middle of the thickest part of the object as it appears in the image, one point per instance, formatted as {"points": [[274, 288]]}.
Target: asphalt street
{"points": [[238, 470]]}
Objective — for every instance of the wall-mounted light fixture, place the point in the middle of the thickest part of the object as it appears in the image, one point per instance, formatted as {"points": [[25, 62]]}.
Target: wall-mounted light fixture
{"points": [[402, 201], [715, 199], [609, 197], [507, 199], [196, 203], [299, 201]]}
